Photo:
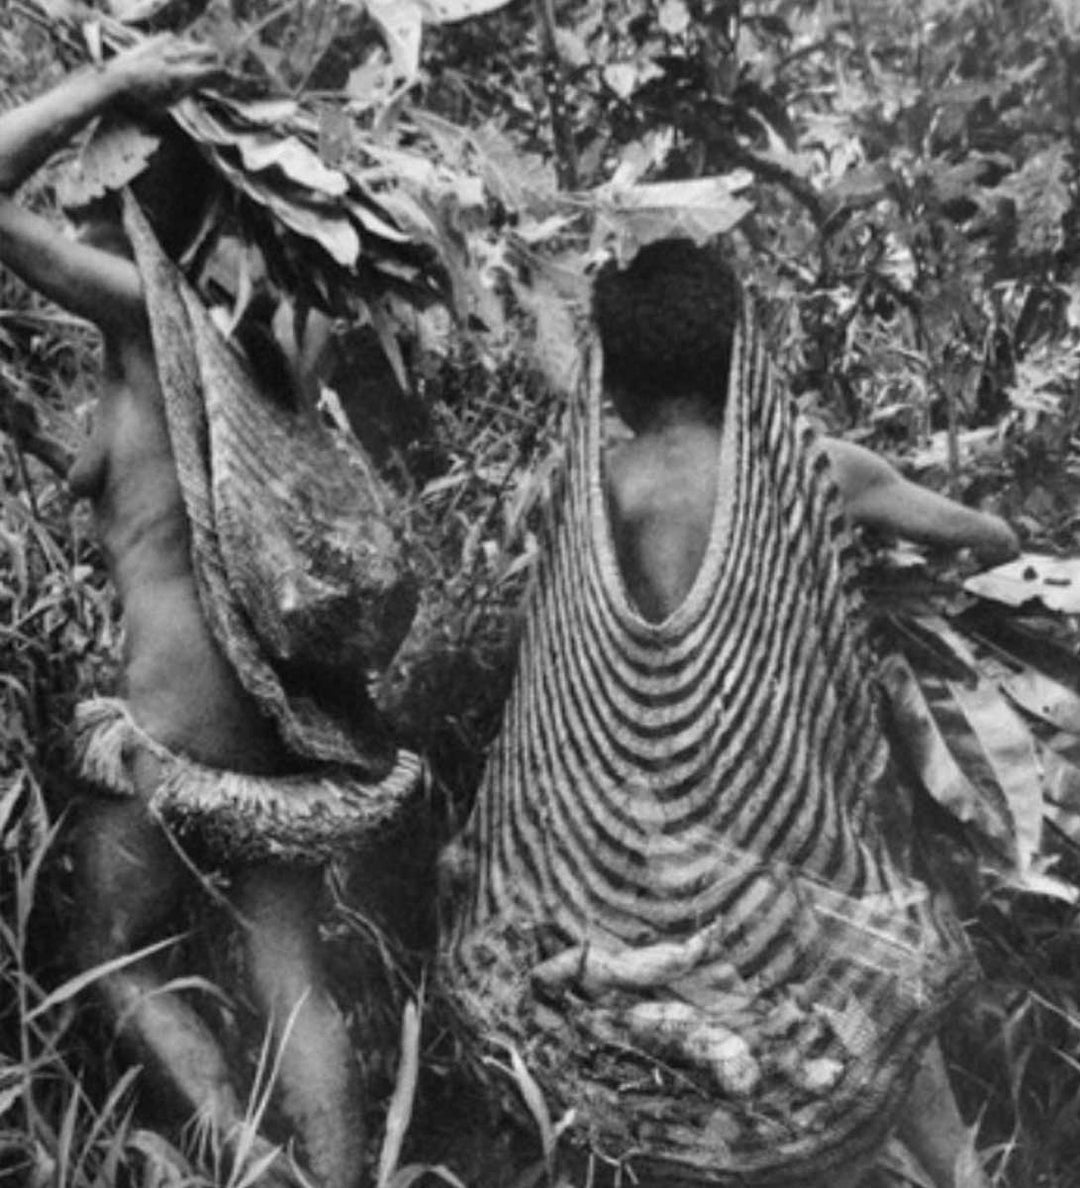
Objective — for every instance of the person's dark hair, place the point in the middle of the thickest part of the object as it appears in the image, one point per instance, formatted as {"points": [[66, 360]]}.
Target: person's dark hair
{"points": [[666, 322]]}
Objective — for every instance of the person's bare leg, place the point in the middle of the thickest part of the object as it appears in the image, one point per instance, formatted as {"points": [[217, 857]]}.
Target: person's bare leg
{"points": [[130, 881], [932, 1128], [319, 1078]]}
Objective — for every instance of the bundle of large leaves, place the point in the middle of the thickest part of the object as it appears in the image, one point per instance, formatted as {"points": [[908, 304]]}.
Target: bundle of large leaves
{"points": [[338, 224]]}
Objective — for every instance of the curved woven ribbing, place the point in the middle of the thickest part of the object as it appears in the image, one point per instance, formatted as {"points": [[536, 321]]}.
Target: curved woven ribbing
{"points": [[674, 838]]}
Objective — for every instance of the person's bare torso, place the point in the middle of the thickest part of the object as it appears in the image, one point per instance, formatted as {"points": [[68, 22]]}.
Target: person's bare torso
{"points": [[661, 490], [178, 685]]}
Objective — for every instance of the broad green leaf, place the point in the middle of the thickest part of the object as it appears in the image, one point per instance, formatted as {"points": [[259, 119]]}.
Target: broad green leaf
{"points": [[296, 161], [940, 772], [334, 232], [1000, 750], [1043, 697]]}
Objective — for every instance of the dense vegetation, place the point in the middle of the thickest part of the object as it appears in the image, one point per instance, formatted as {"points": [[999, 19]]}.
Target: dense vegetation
{"points": [[902, 189]]}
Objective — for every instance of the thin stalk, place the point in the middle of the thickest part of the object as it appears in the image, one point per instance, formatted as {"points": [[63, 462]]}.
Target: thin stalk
{"points": [[566, 164]]}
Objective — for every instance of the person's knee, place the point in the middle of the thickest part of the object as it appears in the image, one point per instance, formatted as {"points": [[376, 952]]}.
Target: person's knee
{"points": [[280, 920]]}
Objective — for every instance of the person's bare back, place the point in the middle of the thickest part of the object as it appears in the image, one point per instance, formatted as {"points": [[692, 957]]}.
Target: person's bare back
{"points": [[184, 719], [661, 491]]}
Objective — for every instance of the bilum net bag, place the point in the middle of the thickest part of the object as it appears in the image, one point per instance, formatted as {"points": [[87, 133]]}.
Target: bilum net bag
{"points": [[673, 899]]}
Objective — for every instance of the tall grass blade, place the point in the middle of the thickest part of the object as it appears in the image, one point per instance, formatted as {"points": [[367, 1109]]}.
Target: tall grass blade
{"points": [[537, 1106], [399, 1115], [76, 985], [265, 1079]]}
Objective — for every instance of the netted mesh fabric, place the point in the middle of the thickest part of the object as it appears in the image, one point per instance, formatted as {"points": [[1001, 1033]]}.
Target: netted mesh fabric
{"points": [[300, 572], [673, 897]]}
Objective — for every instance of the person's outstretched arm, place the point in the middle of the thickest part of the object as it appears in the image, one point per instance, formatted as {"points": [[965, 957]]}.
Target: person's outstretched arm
{"points": [[876, 495], [89, 282]]}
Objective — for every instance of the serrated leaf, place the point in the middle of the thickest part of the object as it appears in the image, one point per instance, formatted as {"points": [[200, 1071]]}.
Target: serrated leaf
{"points": [[115, 153]]}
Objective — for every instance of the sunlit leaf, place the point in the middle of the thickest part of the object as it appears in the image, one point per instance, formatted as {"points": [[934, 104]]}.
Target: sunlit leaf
{"points": [[401, 23], [299, 163], [116, 152], [1052, 581], [445, 12], [1000, 751], [1043, 697]]}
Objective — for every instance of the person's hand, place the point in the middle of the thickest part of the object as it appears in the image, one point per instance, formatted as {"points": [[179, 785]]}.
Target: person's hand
{"points": [[998, 542], [162, 70]]}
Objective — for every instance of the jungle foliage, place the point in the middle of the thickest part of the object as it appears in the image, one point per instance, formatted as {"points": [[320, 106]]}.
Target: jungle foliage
{"points": [[899, 183]]}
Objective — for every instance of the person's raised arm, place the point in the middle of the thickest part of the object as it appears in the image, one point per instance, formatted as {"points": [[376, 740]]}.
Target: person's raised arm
{"points": [[91, 283], [876, 495]]}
